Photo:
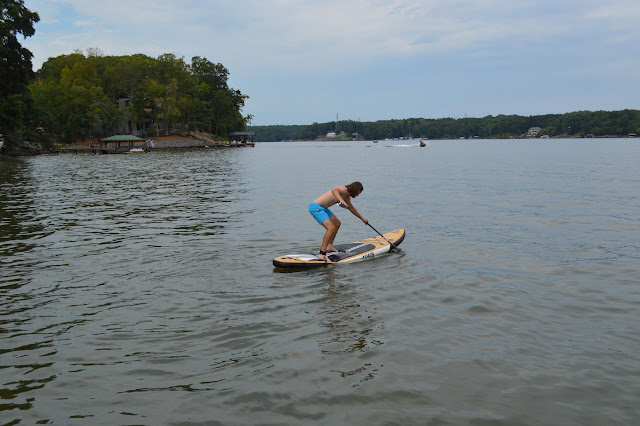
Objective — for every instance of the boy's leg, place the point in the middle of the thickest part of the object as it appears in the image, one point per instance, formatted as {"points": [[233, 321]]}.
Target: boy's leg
{"points": [[324, 242], [329, 236], [333, 226]]}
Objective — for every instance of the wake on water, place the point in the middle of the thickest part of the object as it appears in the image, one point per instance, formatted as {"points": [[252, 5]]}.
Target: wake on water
{"points": [[413, 145]]}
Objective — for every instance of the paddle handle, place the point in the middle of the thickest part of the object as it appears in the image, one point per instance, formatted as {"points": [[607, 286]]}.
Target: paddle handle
{"points": [[392, 245]]}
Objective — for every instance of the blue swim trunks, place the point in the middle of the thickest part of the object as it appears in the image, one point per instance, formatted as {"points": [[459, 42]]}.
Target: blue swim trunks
{"points": [[319, 213]]}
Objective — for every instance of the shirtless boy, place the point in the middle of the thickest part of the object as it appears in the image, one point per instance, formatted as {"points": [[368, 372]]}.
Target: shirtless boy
{"points": [[319, 209]]}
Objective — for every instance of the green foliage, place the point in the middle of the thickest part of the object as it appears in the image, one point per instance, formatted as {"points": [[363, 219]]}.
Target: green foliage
{"points": [[15, 66], [574, 124], [218, 107], [77, 96], [15, 60]]}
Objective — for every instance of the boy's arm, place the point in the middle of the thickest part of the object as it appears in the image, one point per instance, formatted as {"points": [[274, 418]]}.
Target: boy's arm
{"points": [[340, 193], [355, 212]]}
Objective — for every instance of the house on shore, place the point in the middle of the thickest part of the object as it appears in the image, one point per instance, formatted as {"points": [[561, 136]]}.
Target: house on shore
{"points": [[533, 131]]}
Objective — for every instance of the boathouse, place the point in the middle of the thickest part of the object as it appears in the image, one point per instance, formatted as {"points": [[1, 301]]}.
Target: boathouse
{"points": [[242, 138], [115, 143]]}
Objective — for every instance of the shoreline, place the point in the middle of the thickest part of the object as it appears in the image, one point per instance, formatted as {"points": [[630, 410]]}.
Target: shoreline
{"points": [[170, 141]]}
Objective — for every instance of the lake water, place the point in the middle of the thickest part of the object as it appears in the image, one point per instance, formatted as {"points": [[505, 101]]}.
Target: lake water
{"points": [[139, 289]]}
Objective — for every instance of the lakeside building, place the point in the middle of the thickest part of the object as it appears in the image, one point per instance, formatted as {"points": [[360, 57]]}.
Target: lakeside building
{"points": [[533, 131], [242, 139]]}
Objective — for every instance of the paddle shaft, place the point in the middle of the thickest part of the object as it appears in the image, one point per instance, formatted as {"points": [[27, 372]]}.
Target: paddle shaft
{"points": [[392, 245]]}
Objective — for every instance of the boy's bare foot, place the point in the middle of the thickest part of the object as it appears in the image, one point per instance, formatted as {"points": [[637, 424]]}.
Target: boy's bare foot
{"points": [[331, 250], [324, 257]]}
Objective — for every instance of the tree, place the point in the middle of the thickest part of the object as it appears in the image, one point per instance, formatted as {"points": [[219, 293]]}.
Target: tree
{"points": [[218, 105], [94, 52], [215, 75], [15, 65], [49, 99], [52, 69]]}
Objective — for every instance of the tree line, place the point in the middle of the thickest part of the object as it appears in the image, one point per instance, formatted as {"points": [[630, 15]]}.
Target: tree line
{"points": [[79, 96], [573, 124]]}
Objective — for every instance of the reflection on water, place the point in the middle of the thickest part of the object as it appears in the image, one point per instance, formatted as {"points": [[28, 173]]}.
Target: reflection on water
{"points": [[140, 289], [351, 328], [19, 223]]}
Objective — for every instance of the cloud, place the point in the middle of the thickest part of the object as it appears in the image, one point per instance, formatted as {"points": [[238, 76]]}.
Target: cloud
{"points": [[302, 34], [84, 23], [619, 10]]}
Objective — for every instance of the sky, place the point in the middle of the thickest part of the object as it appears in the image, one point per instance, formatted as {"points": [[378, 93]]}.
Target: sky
{"points": [[305, 61]]}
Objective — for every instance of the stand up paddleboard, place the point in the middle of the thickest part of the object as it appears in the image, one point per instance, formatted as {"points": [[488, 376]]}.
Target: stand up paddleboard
{"points": [[359, 250]]}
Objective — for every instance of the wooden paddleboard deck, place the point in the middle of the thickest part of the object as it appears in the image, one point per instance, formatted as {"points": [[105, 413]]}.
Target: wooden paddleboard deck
{"points": [[365, 249]]}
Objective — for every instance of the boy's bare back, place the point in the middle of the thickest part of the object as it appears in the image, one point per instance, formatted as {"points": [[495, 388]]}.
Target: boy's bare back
{"points": [[332, 197]]}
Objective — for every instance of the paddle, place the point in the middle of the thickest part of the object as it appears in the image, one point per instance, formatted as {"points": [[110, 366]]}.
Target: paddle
{"points": [[392, 245]]}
